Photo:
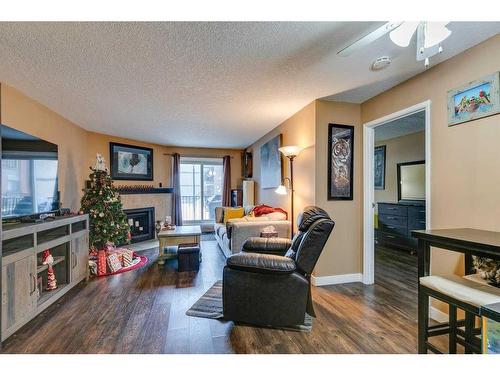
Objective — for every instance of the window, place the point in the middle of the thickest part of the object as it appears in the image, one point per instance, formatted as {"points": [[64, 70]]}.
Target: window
{"points": [[201, 188]]}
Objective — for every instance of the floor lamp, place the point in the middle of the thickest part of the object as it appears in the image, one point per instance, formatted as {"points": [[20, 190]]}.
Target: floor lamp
{"points": [[291, 153]]}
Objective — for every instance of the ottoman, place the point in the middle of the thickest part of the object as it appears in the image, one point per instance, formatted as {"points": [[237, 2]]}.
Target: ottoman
{"points": [[188, 257]]}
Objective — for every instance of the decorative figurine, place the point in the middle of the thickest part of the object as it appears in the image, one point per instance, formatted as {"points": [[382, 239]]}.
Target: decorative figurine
{"points": [[100, 164], [48, 259]]}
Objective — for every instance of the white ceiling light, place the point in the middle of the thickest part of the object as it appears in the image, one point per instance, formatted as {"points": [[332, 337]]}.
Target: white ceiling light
{"points": [[435, 33], [402, 34]]}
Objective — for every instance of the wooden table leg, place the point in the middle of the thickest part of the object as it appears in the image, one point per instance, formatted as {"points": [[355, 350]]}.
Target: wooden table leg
{"points": [[452, 334], [424, 255], [423, 321], [423, 298], [161, 255]]}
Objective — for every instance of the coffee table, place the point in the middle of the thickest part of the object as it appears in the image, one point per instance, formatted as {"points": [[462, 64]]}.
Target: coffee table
{"points": [[174, 237]]}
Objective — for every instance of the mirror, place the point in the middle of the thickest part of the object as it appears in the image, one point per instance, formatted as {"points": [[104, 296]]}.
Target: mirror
{"points": [[411, 181]]}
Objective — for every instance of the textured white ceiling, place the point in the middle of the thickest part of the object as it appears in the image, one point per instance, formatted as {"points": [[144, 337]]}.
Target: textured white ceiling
{"points": [[402, 126], [209, 84]]}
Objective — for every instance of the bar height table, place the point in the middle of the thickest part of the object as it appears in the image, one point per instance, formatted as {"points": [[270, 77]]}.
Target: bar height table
{"points": [[462, 240]]}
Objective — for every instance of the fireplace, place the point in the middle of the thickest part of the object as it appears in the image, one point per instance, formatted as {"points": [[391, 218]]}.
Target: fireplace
{"points": [[142, 223]]}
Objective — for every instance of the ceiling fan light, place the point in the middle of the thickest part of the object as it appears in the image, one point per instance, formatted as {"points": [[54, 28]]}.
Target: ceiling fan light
{"points": [[403, 33], [435, 33]]}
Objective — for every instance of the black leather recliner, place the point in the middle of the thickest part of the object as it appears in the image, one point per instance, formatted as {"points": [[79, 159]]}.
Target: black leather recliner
{"points": [[269, 282]]}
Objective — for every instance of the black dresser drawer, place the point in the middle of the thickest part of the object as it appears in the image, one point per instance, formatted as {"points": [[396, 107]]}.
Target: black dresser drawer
{"points": [[415, 223], [417, 212], [392, 209], [393, 240], [392, 229], [393, 220]]}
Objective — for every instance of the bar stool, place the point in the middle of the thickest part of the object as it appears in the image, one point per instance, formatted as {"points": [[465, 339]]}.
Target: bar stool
{"points": [[467, 293]]}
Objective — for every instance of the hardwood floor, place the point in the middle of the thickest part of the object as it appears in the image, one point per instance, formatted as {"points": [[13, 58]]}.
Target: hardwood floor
{"points": [[143, 311]]}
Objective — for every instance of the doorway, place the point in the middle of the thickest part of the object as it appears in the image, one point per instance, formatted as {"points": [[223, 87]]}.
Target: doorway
{"points": [[404, 192]]}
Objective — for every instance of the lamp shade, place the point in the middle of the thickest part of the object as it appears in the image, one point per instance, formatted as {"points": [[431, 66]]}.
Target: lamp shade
{"points": [[281, 190], [291, 150]]}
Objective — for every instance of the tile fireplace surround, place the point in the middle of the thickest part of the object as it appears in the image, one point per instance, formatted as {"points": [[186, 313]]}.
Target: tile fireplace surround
{"points": [[161, 202]]}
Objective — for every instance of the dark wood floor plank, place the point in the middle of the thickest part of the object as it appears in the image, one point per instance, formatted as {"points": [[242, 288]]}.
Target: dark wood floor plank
{"points": [[143, 311]]}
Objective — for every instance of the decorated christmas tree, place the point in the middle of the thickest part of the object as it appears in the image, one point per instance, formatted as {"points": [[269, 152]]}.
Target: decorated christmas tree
{"points": [[108, 222]]}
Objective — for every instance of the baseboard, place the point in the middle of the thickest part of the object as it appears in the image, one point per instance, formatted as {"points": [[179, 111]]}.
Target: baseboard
{"points": [[438, 315], [336, 279]]}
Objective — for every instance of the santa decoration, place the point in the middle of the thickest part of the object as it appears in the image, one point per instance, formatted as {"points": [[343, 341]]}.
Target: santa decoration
{"points": [[48, 260]]}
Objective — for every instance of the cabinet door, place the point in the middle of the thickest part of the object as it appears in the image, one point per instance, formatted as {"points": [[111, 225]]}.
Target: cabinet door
{"points": [[19, 294], [80, 257]]}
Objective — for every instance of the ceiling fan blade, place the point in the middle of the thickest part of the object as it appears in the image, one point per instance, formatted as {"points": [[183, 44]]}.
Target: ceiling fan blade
{"points": [[369, 38], [403, 34]]}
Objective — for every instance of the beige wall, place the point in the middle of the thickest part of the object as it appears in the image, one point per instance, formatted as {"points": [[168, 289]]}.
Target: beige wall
{"points": [[464, 158], [465, 174], [342, 254], [162, 164], [403, 149], [25, 114], [78, 147], [297, 130]]}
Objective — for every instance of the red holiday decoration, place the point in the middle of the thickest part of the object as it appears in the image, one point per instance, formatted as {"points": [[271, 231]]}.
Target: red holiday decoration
{"points": [[48, 259], [101, 262]]}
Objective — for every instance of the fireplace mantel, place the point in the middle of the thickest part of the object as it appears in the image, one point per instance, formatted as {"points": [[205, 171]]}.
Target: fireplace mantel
{"points": [[146, 191]]}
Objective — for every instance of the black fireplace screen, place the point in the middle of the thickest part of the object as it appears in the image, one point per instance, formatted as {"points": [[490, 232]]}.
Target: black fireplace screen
{"points": [[142, 224]]}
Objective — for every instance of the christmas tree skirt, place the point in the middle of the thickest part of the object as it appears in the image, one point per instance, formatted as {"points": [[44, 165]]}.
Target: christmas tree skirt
{"points": [[136, 262]]}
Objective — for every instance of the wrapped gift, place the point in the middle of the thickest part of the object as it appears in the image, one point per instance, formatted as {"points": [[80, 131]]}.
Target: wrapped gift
{"points": [[101, 262], [128, 256], [268, 232], [118, 252], [114, 263]]}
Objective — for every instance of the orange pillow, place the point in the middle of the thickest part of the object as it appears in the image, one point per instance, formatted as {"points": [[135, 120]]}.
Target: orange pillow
{"points": [[233, 213]]}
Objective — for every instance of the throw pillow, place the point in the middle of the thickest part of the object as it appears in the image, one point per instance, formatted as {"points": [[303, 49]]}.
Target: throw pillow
{"points": [[233, 213], [264, 209], [275, 216]]}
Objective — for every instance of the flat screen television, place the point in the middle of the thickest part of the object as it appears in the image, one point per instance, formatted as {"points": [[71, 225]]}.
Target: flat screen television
{"points": [[29, 175]]}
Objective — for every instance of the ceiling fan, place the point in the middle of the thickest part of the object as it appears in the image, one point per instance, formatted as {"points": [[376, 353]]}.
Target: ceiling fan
{"points": [[430, 35]]}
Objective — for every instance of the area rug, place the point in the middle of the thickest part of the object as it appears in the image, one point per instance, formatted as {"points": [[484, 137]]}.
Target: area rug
{"points": [[138, 262], [210, 306]]}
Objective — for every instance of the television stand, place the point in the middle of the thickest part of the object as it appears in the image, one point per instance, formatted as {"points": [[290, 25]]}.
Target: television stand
{"points": [[24, 295]]}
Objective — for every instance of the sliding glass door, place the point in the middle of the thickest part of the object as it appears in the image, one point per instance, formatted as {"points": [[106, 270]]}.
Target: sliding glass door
{"points": [[201, 188]]}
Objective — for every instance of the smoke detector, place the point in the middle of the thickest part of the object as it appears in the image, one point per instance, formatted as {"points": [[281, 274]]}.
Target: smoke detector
{"points": [[381, 63]]}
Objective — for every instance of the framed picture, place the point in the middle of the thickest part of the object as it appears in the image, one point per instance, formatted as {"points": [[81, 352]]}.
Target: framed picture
{"points": [[379, 173], [270, 163], [477, 99], [131, 162], [340, 161]]}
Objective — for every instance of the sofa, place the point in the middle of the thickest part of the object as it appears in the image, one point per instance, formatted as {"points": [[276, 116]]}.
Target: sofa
{"points": [[234, 233]]}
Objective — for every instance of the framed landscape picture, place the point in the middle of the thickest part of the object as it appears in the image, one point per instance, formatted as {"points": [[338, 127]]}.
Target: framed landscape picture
{"points": [[477, 99], [270, 163], [131, 162], [340, 161], [379, 173]]}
